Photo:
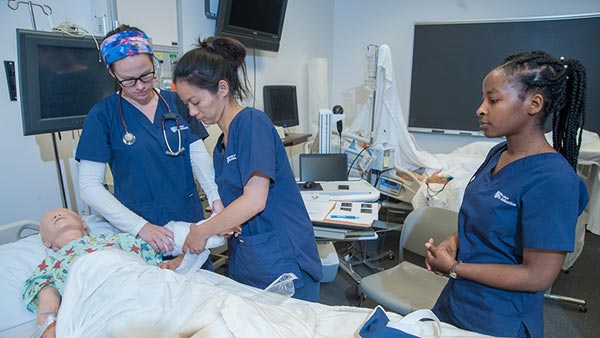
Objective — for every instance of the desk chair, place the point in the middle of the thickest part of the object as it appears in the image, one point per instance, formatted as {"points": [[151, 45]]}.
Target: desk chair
{"points": [[408, 287]]}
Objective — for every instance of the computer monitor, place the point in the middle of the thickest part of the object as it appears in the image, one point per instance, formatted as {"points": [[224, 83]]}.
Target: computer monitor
{"points": [[323, 167], [281, 105], [60, 78]]}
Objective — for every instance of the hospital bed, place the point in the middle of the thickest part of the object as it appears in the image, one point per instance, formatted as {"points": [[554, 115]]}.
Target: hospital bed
{"points": [[111, 293]]}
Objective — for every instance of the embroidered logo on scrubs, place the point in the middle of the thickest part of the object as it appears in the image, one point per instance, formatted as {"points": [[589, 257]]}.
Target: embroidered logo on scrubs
{"points": [[503, 198], [231, 158], [174, 128]]}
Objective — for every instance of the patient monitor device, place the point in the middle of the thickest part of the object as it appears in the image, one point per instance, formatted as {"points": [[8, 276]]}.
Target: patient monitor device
{"points": [[383, 156], [400, 184]]}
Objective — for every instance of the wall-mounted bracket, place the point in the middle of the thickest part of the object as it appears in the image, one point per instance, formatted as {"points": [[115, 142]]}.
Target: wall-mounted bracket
{"points": [[207, 11]]}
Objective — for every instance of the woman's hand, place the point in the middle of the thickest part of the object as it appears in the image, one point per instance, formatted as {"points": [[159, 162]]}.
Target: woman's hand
{"points": [[196, 239], [438, 259], [159, 238], [448, 247], [172, 264], [235, 232]]}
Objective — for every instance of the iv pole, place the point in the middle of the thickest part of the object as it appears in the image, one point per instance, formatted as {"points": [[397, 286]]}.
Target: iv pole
{"points": [[47, 10], [371, 81]]}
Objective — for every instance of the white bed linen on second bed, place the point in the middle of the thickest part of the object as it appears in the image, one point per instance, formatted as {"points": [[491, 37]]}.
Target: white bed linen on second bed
{"points": [[114, 294]]}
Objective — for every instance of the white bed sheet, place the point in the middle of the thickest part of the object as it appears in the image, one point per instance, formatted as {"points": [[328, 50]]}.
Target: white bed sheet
{"points": [[111, 293], [114, 294]]}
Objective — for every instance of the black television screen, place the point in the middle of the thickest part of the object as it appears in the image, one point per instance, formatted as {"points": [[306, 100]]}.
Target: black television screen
{"points": [[60, 78], [256, 23], [281, 105]]}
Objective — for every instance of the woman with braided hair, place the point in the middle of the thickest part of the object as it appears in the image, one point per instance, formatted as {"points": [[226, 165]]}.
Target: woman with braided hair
{"points": [[252, 172], [518, 216]]}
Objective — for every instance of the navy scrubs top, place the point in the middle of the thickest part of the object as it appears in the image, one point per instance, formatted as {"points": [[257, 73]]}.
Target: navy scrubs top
{"points": [[279, 239], [157, 187], [531, 203]]}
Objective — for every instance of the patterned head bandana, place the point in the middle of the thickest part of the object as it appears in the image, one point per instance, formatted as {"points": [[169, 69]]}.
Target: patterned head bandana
{"points": [[123, 44]]}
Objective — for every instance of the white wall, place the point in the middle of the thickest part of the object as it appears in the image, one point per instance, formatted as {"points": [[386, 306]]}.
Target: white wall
{"points": [[338, 30], [307, 33], [28, 178], [359, 23]]}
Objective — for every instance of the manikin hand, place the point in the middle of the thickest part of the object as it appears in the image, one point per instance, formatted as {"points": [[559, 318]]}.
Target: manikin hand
{"points": [[172, 264]]}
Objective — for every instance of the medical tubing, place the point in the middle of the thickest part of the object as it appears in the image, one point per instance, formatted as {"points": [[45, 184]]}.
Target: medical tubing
{"points": [[280, 290], [51, 318], [356, 158]]}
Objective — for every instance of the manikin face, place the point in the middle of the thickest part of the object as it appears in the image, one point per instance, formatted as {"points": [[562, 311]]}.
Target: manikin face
{"points": [[203, 105], [134, 67], [502, 112], [60, 226]]}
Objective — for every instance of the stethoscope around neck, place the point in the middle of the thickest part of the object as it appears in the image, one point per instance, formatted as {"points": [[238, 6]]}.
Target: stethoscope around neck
{"points": [[129, 138]]}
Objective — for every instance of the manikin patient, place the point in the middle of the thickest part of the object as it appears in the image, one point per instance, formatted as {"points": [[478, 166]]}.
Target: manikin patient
{"points": [[65, 233]]}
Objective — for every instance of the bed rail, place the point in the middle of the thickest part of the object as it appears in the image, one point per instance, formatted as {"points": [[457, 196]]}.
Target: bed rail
{"points": [[17, 230]]}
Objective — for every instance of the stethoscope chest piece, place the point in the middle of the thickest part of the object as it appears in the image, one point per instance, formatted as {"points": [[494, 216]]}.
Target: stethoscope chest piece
{"points": [[128, 138]]}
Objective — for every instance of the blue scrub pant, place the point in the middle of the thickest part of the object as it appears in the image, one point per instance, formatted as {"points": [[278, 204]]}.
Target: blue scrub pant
{"points": [[311, 289]]}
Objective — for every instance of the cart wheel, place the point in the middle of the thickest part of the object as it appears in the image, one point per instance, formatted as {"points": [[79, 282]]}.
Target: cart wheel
{"points": [[582, 308], [391, 257]]}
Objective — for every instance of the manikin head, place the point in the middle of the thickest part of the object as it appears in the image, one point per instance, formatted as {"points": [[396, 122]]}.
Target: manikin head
{"points": [[60, 226]]}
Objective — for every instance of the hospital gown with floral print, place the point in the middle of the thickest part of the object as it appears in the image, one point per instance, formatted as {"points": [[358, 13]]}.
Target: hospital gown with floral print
{"points": [[53, 271]]}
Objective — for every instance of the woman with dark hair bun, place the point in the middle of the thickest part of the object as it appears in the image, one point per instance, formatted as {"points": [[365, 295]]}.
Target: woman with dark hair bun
{"points": [[252, 171], [518, 215]]}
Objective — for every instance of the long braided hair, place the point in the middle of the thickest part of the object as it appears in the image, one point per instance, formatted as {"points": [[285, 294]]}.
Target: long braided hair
{"points": [[562, 84]]}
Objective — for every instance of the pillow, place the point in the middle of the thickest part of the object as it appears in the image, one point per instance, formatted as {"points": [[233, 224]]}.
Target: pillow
{"points": [[18, 261]]}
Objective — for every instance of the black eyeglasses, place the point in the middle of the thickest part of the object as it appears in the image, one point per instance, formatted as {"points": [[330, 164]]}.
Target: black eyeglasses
{"points": [[144, 78]]}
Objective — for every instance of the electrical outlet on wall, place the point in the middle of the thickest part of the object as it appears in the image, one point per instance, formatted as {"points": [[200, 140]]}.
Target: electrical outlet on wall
{"points": [[99, 25]]}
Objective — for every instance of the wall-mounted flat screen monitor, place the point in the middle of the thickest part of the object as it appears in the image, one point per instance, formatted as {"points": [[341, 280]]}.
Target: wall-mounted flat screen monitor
{"points": [[60, 78], [281, 104], [450, 60], [256, 23], [323, 167]]}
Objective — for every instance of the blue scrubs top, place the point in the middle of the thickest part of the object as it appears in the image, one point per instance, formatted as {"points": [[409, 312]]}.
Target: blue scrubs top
{"points": [[531, 203], [279, 239], [157, 187]]}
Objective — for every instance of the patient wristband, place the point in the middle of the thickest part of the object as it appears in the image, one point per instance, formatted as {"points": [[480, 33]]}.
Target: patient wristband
{"points": [[49, 313]]}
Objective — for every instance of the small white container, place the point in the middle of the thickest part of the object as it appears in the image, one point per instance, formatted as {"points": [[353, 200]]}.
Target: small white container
{"points": [[329, 261]]}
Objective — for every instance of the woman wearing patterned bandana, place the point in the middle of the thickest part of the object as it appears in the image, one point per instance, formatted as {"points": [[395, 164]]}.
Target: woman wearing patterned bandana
{"points": [[152, 152]]}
